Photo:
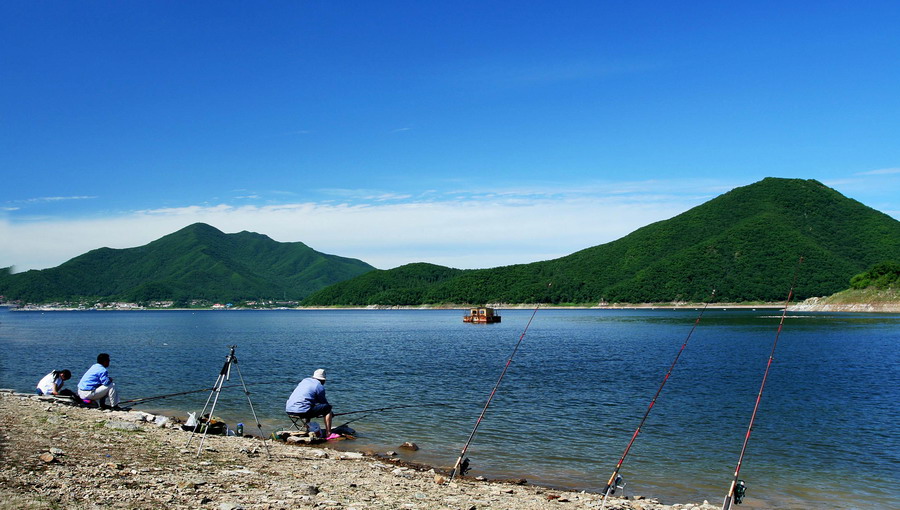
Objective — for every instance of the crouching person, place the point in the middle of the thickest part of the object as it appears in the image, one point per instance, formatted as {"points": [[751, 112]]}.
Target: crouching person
{"points": [[52, 384], [96, 384], [308, 401]]}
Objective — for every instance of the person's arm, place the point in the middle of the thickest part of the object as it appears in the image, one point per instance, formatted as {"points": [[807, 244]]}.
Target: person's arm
{"points": [[105, 379]]}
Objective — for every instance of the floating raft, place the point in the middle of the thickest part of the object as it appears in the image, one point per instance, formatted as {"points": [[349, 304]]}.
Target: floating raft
{"points": [[482, 315]]}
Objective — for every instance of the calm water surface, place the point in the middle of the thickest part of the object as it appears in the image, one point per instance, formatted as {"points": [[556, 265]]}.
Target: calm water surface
{"points": [[825, 435]]}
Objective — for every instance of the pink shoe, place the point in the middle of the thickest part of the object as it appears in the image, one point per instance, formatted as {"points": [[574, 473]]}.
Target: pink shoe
{"points": [[333, 436]]}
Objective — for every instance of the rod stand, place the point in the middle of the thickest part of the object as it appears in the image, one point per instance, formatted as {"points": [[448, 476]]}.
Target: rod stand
{"points": [[224, 375]]}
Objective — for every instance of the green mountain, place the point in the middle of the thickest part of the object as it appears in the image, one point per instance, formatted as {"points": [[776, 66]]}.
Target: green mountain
{"points": [[746, 244], [196, 262], [409, 284]]}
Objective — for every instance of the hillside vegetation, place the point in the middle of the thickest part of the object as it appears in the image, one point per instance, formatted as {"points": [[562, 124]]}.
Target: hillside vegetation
{"points": [[196, 262], [884, 276], [746, 244], [875, 290]]}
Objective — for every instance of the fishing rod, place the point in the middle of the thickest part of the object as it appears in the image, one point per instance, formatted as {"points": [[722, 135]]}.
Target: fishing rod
{"points": [[136, 401], [615, 479], [141, 400], [348, 422], [389, 408], [462, 465], [738, 488]]}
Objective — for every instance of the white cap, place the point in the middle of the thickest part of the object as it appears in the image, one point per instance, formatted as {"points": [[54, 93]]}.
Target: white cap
{"points": [[319, 374]]}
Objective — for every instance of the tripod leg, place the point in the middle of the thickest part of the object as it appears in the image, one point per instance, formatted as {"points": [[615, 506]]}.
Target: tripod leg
{"points": [[216, 386], [217, 391], [258, 425]]}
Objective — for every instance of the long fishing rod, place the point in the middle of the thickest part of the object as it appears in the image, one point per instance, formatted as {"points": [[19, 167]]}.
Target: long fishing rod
{"points": [[141, 400], [461, 465], [389, 408], [737, 489], [615, 478], [348, 422]]}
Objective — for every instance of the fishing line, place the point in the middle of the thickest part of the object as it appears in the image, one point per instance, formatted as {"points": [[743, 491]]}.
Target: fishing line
{"points": [[461, 465], [737, 489], [614, 480]]}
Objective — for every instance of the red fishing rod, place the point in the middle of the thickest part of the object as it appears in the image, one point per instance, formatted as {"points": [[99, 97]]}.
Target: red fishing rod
{"points": [[738, 488], [615, 479], [462, 465]]}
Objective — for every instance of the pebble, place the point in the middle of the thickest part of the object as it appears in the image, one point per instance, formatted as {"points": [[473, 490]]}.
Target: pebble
{"points": [[307, 489]]}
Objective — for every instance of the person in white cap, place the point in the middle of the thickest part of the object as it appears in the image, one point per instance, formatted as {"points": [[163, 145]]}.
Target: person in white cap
{"points": [[308, 401]]}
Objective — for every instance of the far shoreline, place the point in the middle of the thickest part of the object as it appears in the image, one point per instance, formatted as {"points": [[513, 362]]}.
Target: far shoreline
{"points": [[798, 307]]}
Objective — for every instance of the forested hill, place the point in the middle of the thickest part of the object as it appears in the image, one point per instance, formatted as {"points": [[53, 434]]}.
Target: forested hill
{"points": [[745, 244], [196, 262]]}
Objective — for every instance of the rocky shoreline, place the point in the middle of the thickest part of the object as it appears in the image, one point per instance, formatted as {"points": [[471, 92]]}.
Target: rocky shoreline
{"points": [[54, 455]]}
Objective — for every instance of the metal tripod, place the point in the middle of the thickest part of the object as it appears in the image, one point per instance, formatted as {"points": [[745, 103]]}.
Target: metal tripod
{"points": [[224, 375]]}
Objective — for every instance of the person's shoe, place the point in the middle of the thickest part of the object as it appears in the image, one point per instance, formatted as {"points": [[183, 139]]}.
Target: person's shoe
{"points": [[333, 436]]}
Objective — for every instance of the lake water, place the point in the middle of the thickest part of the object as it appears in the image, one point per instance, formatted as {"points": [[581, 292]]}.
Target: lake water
{"points": [[825, 436]]}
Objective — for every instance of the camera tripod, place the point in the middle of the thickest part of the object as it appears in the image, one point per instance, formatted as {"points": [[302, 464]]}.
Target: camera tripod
{"points": [[224, 375]]}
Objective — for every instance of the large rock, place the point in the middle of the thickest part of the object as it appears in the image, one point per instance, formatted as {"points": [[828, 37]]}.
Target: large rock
{"points": [[122, 425]]}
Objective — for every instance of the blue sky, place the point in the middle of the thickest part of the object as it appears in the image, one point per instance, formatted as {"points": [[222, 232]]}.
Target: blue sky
{"points": [[467, 134]]}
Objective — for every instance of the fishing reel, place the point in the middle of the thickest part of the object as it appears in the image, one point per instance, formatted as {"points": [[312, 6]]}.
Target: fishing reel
{"points": [[618, 483], [740, 489], [461, 469]]}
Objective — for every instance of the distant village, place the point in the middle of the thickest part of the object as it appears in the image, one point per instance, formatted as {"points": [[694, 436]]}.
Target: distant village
{"points": [[198, 304]]}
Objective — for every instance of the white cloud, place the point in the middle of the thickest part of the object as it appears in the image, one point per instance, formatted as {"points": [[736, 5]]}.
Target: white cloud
{"points": [[57, 199], [881, 171], [469, 232]]}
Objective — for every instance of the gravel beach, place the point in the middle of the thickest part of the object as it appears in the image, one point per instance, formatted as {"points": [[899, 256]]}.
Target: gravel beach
{"points": [[60, 456]]}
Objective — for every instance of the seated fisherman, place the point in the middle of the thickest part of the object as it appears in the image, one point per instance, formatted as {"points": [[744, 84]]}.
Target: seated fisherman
{"points": [[308, 401], [52, 384], [97, 385]]}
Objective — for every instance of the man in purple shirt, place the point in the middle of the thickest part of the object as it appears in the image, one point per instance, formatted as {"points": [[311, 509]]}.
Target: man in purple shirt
{"points": [[308, 400], [97, 385]]}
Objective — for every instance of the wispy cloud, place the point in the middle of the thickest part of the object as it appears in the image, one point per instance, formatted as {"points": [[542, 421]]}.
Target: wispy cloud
{"points": [[387, 230], [55, 199], [882, 171]]}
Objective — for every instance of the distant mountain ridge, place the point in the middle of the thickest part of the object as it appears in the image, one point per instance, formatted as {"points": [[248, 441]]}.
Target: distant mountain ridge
{"points": [[196, 262], [746, 244]]}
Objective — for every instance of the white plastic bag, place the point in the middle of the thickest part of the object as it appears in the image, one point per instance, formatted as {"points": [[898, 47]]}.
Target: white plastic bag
{"points": [[192, 420]]}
